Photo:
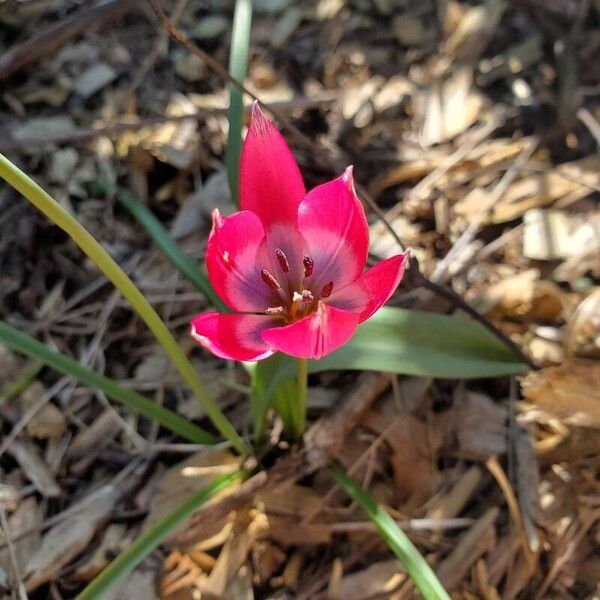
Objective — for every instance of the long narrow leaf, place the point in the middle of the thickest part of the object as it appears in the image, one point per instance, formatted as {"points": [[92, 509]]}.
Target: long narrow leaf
{"points": [[416, 566], [59, 216], [21, 342], [149, 540], [238, 66], [408, 342], [155, 229]]}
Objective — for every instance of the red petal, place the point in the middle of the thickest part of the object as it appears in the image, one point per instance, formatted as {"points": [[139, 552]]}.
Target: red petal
{"points": [[231, 336], [372, 289], [314, 336], [234, 259], [270, 181], [332, 221]]}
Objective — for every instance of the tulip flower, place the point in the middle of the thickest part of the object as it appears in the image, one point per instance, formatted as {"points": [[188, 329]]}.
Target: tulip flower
{"points": [[290, 263]]}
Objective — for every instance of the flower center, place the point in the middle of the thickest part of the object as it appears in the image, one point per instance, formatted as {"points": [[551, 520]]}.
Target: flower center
{"points": [[293, 302]]}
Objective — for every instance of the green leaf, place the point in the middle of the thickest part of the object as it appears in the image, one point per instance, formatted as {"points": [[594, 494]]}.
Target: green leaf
{"points": [[409, 342], [155, 229], [238, 66], [263, 393], [152, 538], [416, 566], [138, 302], [21, 342]]}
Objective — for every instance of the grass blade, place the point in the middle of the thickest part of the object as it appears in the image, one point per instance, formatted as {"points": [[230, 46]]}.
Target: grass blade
{"points": [[59, 216], [155, 229], [149, 540], [238, 66], [416, 566], [21, 342]]}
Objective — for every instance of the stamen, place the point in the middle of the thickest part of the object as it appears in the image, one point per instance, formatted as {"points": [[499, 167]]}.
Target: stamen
{"points": [[270, 280], [309, 265], [283, 261], [327, 289], [275, 310], [307, 296]]}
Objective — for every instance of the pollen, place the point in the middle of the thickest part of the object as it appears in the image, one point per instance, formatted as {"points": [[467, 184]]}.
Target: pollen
{"points": [[270, 280], [283, 261], [307, 296], [275, 310]]}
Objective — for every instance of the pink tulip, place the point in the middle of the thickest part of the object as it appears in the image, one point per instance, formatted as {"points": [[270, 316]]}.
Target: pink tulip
{"points": [[290, 263]]}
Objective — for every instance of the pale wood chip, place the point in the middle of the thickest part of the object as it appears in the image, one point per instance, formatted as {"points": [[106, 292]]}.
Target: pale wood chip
{"points": [[36, 470], [570, 391], [63, 542]]}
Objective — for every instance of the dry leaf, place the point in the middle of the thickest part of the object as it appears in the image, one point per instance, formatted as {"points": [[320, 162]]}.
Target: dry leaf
{"points": [[28, 517], [378, 579], [47, 422], [63, 542], [114, 539], [546, 234], [570, 391], [480, 425], [450, 108], [583, 327], [474, 31], [36, 470], [524, 296]]}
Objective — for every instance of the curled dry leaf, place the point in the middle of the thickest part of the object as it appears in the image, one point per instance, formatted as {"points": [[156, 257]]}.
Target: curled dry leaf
{"points": [[570, 391], [523, 296], [583, 328]]}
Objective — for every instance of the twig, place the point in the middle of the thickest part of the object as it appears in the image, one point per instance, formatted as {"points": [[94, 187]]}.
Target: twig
{"points": [[451, 296], [51, 39]]}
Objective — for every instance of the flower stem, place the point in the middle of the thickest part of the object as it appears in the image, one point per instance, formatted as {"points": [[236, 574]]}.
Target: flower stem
{"points": [[299, 407], [59, 216]]}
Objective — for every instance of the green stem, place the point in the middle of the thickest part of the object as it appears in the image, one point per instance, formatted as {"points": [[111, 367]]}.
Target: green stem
{"points": [[152, 538], [299, 407], [238, 65], [59, 216]]}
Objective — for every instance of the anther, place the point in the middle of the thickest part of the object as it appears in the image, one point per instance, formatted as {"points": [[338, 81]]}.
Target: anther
{"points": [[307, 296], [327, 289], [283, 261], [270, 280], [309, 265], [275, 310]]}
